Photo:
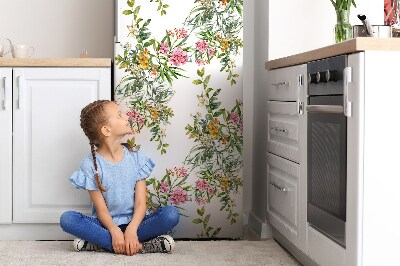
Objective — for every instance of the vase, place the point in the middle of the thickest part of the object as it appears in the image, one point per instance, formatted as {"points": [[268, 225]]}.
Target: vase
{"points": [[343, 29]]}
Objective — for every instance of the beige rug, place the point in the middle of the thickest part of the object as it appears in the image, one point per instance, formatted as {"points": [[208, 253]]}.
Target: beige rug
{"points": [[241, 252]]}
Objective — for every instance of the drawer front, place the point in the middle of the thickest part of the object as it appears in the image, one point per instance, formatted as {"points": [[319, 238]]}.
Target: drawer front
{"points": [[283, 130], [283, 83], [283, 196]]}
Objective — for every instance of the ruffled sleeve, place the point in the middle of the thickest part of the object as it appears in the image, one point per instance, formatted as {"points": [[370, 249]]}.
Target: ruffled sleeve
{"points": [[145, 164], [84, 177]]}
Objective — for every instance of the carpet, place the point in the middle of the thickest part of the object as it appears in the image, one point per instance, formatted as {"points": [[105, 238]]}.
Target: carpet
{"points": [[219, 252]]}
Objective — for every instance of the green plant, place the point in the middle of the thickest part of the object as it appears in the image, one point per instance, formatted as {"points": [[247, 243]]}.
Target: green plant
{"points": [[343, 30]]}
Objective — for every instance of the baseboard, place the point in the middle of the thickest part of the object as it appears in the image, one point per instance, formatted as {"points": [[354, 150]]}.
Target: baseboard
{"points": [[260, 228], [292, 249], [33, 232]]}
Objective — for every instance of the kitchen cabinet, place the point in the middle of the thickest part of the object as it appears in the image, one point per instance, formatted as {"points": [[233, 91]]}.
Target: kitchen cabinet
{"points": [[285, 123], [42, 144], [371, 108]]}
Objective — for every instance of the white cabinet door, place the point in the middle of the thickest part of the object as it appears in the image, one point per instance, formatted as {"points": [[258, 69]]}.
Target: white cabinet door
{"points": [[48, 141], [283, 196], [5, 146]]}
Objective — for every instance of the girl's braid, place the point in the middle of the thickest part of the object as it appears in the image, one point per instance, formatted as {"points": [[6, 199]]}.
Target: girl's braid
{"points": [[92, 119]]}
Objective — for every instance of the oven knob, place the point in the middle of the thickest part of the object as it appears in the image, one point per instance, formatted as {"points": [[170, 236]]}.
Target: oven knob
{"points": [[332, 75], [314, 78], [324, 76]]}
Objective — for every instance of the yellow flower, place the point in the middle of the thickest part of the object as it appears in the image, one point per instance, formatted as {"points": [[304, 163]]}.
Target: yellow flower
{"points": [[224, 183], [144, 59], [213, 128], [154, 113], [224, 44]]}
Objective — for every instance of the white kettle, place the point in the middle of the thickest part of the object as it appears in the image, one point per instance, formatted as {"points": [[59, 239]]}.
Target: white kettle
{"points": [[2, 53]]}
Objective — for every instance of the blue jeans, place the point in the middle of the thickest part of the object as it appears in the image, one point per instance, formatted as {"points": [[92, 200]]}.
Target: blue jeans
{"points": [[90, 229]]}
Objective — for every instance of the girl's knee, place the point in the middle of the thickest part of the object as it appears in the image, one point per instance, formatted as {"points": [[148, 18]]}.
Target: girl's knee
{"points": [[67, 219], [172, 214]]}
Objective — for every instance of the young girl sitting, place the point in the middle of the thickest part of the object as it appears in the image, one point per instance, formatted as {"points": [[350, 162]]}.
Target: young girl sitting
{"points": [[115, 177]]}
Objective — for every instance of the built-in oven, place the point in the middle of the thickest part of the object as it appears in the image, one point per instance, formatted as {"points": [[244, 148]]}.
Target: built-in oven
{"points": [[327, 148]]}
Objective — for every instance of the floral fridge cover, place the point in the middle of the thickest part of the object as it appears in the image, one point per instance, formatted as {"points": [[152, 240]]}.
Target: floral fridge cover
{"points": [[182, 90]]}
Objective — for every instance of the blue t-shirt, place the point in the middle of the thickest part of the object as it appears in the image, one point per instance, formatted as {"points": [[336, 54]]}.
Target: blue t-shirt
{"points": [[118, 178]]}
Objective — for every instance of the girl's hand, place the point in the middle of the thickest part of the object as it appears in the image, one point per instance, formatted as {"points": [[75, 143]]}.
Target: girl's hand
{"points": [[118, 241], [132, 244]]}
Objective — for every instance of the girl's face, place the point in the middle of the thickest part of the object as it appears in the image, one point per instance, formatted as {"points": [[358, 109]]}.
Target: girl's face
{"points": [[117, 122]]}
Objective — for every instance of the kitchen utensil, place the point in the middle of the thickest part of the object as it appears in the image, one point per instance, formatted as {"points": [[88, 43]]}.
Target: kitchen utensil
{"points": [[368, 30], [2, 53], [21, 50]]}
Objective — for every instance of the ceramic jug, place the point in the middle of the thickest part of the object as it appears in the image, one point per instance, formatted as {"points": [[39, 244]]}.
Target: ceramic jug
{"points": [[2, 53]]}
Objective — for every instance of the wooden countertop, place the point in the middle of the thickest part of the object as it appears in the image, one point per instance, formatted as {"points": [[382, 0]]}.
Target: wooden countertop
{"points": [[55, 62], [348, 47]]}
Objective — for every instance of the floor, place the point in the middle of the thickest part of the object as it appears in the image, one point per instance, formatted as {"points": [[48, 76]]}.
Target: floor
{"points": [[219, 252]]}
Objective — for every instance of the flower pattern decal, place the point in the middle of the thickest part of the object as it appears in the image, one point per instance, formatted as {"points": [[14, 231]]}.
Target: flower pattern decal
{"points": [[211, 171]]}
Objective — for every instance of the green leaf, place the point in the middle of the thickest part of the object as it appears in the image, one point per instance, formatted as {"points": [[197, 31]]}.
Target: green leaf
{"points": [[200, 72], [207, 218], [197, 82], [127, 12], [200, 211], [131, 3], [206, 80], [197, 221]]}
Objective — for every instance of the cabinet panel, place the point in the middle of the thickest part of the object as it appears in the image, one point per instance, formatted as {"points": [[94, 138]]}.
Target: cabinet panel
{"points": [[283, 130], [284, 83], [48, 141], [283, 196], [5, 146]]}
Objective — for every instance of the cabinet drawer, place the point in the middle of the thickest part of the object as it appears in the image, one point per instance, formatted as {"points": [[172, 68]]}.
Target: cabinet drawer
{"points": [[283, 130], [283, 83], [283, 195]]}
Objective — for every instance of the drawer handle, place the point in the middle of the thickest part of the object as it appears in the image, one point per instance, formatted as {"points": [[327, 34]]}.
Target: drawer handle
{"points": [[284, 83], [279, 187], [280, 129]]}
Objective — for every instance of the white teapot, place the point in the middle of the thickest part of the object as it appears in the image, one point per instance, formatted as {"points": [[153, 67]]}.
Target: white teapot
{"points": [[2, 46]]}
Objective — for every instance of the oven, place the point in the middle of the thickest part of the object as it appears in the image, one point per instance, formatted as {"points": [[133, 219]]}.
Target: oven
{"points": [[327, 148]]}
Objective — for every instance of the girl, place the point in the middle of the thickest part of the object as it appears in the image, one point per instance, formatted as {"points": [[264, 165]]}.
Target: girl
{"points": [[115, 177]]}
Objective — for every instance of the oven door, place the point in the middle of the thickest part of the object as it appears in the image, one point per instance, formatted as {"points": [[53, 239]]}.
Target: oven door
{"points": [[327, 166]]}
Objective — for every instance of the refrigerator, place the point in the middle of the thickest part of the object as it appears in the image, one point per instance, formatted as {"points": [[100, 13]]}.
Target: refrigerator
{"points": [[186, 113]]}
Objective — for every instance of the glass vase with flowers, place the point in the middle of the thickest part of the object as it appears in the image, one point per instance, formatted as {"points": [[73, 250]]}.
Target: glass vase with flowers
{"points": [[343, 29]]}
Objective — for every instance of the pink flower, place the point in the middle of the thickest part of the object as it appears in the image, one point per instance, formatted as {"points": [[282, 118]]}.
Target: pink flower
{"points": [[211, 191], [211, 52], [201, 201], [181, 171], [178, 196], [180, 33], [164, 187], [178, 56], [170, 172], [200, 62], [201, 46], [234, 118], [133, 114], [201, 185], [164, 48], [141, 121]]}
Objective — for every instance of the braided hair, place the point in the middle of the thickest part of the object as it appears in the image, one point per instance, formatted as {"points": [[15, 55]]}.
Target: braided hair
{"points": [[93, 118]]}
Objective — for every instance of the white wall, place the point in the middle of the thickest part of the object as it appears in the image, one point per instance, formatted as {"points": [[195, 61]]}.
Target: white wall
{"points": [[59, 28], [301, 25]]}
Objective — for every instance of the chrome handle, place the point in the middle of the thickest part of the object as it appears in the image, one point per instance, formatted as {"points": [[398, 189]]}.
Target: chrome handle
{"points": [[286, 83], [20, 87], [5, 93], [346, 81], [279, 187], [279, 129], [336, 109]]}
